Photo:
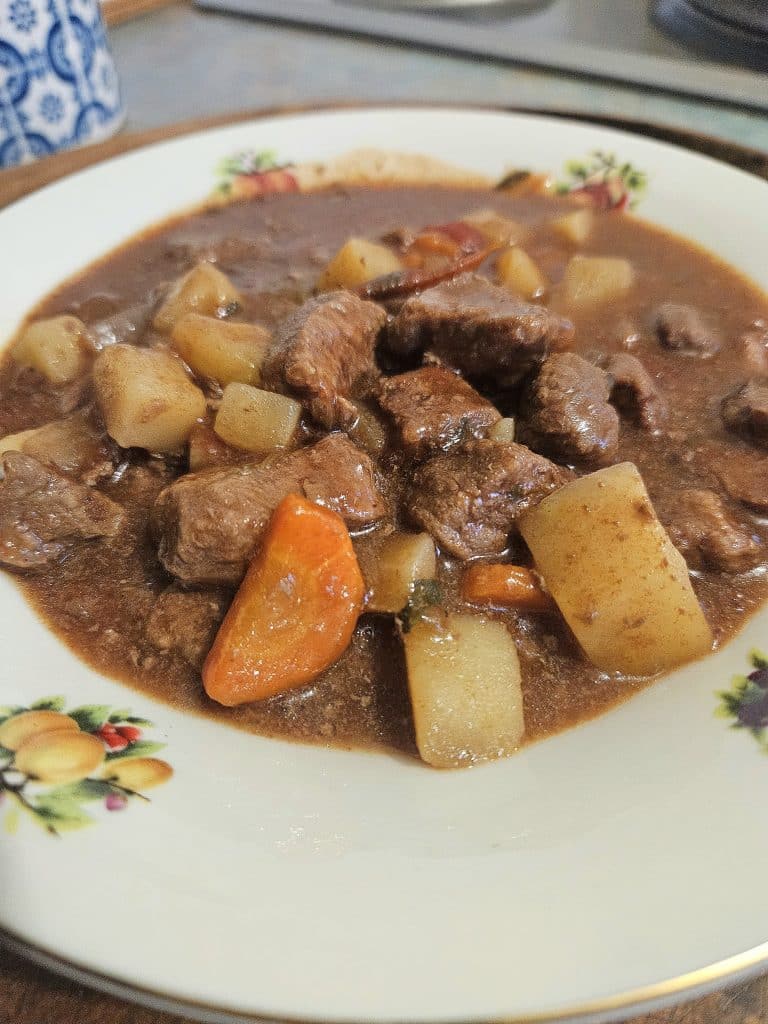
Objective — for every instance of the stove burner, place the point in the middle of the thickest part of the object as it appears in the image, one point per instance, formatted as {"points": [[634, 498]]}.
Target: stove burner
{"points": [[732, 31]]}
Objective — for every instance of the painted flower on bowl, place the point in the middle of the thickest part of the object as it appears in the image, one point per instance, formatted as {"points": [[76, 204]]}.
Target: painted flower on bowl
{"points": [[603, 181], [54, 761], [746, 703]]}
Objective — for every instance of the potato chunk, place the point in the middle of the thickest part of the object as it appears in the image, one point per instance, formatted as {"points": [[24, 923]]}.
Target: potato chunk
{"points": [[575, 227], [258, 421], [593, 280], [146, 398], [58, 348], [203, 290], [516, 271], [357, 262], [403, 559], [615, 575], [224, 351], [494, 228], [464, 681]]}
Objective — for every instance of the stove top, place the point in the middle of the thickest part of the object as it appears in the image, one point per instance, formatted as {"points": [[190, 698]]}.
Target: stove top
{"points": [[614, 39], [734, 32]]}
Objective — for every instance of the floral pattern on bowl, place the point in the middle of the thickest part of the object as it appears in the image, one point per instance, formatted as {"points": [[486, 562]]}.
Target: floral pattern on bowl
{"points": [[746, 703], [53, 762], [599, 180]]}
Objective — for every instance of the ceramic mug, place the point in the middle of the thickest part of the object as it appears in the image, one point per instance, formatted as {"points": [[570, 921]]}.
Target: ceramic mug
{"points": [[58, 84]]}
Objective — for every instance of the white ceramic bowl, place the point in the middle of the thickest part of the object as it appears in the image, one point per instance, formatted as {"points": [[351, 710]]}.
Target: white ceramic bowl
{"points": [[614, 864]]}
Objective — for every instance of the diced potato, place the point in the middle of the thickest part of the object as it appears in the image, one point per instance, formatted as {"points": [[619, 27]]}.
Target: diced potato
{"points": [[402, 559], [616, 576], [464, 682], [593, 280], [370, 431], [146, 398], [575, 227], [516, 271], [58, 348], [496, 230], [224, 351], [255, 420], [357, 262], [503, 430], [203, 290], [207, 449]]}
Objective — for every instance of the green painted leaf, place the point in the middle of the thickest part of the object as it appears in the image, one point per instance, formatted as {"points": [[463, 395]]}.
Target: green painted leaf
{"points": [[9, 710], [11, 821], [90, 717], [49, 704], [143, 748], [83, 791], [63, 812]]}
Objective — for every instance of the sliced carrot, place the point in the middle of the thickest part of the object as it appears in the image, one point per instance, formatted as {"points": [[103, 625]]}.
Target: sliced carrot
{"points": [[295, 611], [509, 585], [436, 242]]}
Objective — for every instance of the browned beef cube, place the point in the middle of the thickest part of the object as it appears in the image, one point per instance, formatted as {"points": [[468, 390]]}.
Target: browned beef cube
{"points": [[744, 475], [708, 534], [210, 523], [185, 622], [746, 411], [76, 445], [42, 511], [322, 351], [682, 329], [479, 328], [470, 497], [753, 345], [634, 391], [434, 408], [566, 412]]}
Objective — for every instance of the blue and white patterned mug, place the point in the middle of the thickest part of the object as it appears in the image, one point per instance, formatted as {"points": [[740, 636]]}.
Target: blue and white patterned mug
{"points": [[58, 84]]}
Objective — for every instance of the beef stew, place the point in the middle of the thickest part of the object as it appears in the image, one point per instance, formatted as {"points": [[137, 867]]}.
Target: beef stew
{"points": [[465, 381]]}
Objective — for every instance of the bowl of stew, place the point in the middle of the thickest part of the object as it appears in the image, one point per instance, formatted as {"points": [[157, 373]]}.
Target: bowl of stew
{"points": [[384, 526]]}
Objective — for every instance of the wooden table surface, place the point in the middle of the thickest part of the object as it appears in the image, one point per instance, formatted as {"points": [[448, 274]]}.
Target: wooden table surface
{"points": [[32, 995]]}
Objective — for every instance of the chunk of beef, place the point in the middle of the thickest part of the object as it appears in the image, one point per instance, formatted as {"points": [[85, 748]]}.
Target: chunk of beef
{"points": [[322, 351], [77, 445], [566, 412], [469, 498], [634, 392], [42, 511], [210, 523], [682, 329], [707, 534], [479, 328], [744, 476], [434, 408], [184, 622], [753, 345], [746, 411]]}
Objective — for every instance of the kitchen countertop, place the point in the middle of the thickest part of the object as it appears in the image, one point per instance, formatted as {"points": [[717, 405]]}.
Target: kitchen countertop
{"points": [[268, 65]]}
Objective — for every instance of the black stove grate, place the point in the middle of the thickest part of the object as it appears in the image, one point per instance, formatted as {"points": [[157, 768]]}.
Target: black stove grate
{"points": [[731, 39]]}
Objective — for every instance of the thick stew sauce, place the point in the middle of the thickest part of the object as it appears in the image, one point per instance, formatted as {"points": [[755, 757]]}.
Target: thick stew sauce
{"points": [[439, 470]]}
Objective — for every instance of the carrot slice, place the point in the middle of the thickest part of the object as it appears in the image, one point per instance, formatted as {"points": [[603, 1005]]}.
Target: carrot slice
{"points": [[508, 585], [295, 611]]}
